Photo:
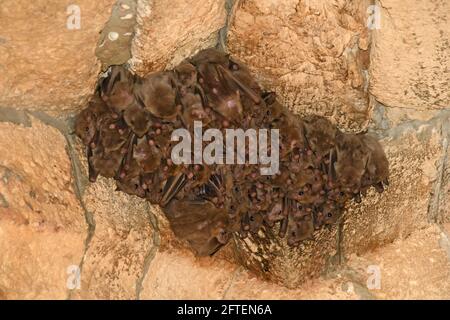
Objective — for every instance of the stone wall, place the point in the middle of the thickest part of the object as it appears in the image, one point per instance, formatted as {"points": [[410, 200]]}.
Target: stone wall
{"points": [[319, 56]]}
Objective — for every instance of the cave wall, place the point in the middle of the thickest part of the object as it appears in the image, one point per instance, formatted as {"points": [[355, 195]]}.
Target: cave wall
{"points": [[319, 56]]}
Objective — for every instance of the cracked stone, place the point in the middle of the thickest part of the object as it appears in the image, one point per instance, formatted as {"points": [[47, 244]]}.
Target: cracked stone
{"points": [[410, 57], [123, 238], [169, 31], [42, 230], [413, 155], [314, 54]]}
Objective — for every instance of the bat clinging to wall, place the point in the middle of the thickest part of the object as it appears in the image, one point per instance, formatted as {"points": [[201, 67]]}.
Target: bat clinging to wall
{"points": [[127, 131]]}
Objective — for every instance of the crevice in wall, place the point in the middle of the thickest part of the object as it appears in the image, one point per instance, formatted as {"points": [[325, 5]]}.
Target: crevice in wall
{"points": [[150, 254], [63, 125], [433, 207], [234, 276], [223, 32], [115, 39]]}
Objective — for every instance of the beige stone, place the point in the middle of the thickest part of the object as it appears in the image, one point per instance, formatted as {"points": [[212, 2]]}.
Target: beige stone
{"points": [[319, 57], [443, 188], [45, 65], [42, 225], [412, 268], [410, 56], [416, 267], [179, 275], [247, 286], [114, 45], [314, 54], [414, 155], [270, 257], [126, 233], [169, 31]]}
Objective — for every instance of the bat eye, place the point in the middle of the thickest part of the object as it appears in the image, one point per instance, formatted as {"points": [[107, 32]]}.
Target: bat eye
{"points": [[252, 218], [301, 193], [329, 215]]}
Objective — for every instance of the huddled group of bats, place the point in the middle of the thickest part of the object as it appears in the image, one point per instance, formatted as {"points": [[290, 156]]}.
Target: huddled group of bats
{"points": [[127, 128]]}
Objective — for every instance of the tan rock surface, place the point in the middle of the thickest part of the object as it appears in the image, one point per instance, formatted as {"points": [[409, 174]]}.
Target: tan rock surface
{"points": [[314, 54], [179, 275], [416, 267], [413, 268], [42, 225], [443, 188], [114, 45], [125, 234], [414, 155], [410, 56], [168, 31], [270, 257], [44, 65]]}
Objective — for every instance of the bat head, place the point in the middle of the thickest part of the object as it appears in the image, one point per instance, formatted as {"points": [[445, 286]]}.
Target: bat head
{"points": [[321, 134], [137, 119], [117, 89], [352, 158]]}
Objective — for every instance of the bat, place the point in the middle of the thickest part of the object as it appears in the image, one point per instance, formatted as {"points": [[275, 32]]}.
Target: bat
{"points": [[117, 89], [157, 95], [127, 126], [320, 134]]}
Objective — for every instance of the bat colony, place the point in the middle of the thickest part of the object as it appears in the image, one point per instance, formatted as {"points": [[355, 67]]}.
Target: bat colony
{"points": [[127, 129]]}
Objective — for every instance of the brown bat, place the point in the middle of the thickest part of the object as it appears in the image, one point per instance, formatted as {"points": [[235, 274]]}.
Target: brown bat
{"points": [[186, 78], [299, 230], [113, 133], [106, 164], [147, 156], [210, 56], [138, 119], [377, 169], [200, 223], [193, 110], [157, 95], [328, 214], [117, 89], [352, 158], [86, 120], [127, 129], [321, 135], [221, 94]]}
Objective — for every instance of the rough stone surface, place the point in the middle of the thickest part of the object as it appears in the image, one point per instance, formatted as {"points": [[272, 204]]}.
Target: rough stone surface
{"points": [[114, 45], [168, 31], [179, 275], [314, 54], [410, 56], [44, 65], [443, 190], [42, 225], [413, 268], [413, 153], [270, 257], [125, 235], [319, 57], [405, 267]]}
